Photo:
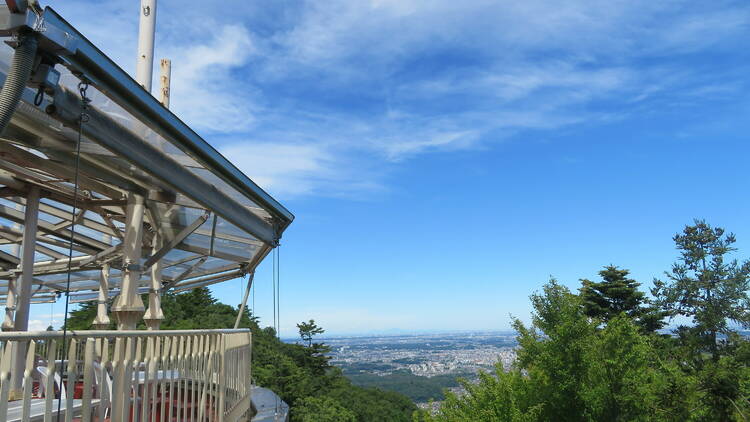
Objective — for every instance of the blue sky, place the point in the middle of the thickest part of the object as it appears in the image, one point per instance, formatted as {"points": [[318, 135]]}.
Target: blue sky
{"points": [[445, 158]]}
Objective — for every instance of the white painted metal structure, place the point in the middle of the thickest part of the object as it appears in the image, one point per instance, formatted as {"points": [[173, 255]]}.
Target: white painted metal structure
{"points": [[145, 206], [145, 376], [146, 32], [152, 192]]}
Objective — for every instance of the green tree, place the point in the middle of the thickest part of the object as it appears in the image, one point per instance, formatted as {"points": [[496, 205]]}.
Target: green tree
{"points": [[496, 397], [308, 330], [321, 409], [568, 369], [705, 285], [617, 294], [553, 352], [622, 374]]}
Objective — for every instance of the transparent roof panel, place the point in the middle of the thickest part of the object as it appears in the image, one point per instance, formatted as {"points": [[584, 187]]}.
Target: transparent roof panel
{"points": [[203, 238]]}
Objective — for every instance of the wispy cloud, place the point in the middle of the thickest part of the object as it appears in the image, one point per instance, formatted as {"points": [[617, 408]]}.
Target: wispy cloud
{"points": [[205, 91], [284, 169], [320, 98]]}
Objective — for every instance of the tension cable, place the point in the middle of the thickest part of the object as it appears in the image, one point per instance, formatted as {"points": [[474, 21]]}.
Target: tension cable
{"points": [[82, 88]]}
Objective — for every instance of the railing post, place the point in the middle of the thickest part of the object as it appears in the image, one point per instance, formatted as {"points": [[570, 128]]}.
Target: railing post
{"points": [[118, 371], [6, 360], [88, 373], [204, 375], [222, 375], [28, 369]]}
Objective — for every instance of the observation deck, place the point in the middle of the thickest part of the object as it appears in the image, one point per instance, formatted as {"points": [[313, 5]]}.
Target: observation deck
{"points": [[107, 195]]}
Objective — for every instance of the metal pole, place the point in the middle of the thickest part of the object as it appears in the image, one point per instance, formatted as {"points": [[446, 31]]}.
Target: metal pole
{"points": [[11, 298], [166, 76], [244, 299], [154, 314], [146, 30], [28, 248], [128, 306]]}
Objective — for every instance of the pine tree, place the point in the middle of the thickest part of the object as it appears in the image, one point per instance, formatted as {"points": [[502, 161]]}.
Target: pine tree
{"points": [[617, 294], [705, 286]]}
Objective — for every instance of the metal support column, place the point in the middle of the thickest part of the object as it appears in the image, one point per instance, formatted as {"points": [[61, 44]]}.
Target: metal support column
{"points": [[128, 306], [21, 321], [28, 248], [154, 314], [101, 322]]}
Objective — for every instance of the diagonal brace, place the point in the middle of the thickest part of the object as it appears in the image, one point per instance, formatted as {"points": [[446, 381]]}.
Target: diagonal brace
{"points": [[176, 240], [185, 274]]}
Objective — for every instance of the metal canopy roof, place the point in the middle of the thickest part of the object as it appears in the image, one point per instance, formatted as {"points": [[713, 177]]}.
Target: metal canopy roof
{"points": [[220, 223]]}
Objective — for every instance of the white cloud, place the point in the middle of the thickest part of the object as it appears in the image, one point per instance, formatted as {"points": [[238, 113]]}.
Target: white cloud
{"points": [[204, 91], [283, 169], [319, 98]]}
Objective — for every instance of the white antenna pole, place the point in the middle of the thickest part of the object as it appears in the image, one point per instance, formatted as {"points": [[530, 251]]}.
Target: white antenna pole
{"points": [[166, 74], [146, 30]]}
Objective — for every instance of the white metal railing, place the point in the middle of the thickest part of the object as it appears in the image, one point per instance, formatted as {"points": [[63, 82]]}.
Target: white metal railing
{"points": [[144, 376]]}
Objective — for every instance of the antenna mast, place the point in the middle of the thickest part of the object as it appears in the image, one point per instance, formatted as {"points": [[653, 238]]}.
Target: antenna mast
{"points": [[146, 29]]}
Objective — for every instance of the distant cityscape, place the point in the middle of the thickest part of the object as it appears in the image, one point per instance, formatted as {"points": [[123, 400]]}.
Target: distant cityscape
{"points": [[421, 366], [424, 355]]}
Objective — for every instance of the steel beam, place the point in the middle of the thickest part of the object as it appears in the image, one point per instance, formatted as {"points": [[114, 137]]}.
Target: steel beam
{"points": [[208, 280], [144, 155], [49, 228]]}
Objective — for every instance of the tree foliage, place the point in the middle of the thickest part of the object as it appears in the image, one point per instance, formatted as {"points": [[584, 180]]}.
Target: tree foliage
{"points": [[322, 409], [308, 330], [617, 294], [595, 356], [705, 285]]}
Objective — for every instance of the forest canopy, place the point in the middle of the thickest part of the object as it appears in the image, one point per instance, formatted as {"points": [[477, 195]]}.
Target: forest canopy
{"points": [[597, 355]]}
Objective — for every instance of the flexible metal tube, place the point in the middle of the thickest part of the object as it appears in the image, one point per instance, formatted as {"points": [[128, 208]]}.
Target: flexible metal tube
{"points": [[18, 75]]}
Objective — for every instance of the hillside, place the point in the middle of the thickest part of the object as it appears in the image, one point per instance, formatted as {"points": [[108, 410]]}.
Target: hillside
{"points": [[300, 375]]}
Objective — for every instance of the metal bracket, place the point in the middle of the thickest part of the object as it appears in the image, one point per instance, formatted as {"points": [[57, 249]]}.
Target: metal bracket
{"points": [[11, 23], [132, 267]]}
